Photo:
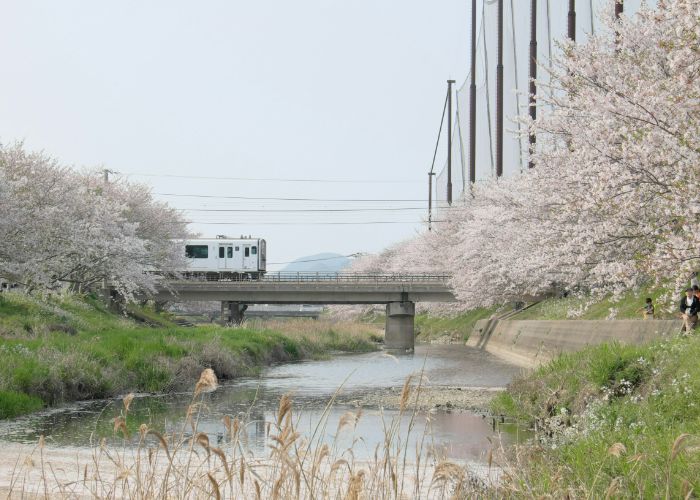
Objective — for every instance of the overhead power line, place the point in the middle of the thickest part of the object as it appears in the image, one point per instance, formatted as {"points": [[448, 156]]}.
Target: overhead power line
{"points": [[274, 179], [296, 210], [301, 223], [319, 260], [295, 223], [271, 198]]}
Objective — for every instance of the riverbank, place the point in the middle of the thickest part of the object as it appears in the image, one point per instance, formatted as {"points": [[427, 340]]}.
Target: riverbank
{"points": [[449, 329], [68, 348], [388, 446], [610, 421]]}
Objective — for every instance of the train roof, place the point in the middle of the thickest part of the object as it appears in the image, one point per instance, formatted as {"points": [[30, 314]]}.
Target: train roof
{"points": [[240, 238]]}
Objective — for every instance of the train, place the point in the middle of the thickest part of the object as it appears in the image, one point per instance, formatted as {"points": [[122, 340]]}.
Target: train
{"points": [[225, 258]]}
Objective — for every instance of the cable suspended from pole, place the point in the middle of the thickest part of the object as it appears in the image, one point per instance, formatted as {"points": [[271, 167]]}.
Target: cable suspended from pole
{"points": [[432, 167], [458, 122], [518, 90], [489, 121], [430, 200]]}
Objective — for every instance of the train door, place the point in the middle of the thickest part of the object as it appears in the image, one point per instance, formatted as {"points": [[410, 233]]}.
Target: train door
{"points": [[250, 257], [226, 260]]}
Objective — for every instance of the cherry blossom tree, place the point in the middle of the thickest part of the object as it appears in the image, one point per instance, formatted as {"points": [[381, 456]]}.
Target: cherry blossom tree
{"points": [[623, 139], [63, 228], [614, 198]]}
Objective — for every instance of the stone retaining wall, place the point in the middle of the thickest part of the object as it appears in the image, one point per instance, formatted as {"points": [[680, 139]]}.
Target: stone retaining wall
{"points": [[529, 343]]}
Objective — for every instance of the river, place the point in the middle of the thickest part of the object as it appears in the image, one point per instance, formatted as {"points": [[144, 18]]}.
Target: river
{"points": [[459, 433]]}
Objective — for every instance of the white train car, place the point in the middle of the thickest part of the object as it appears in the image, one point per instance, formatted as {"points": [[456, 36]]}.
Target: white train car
{"points": [[225, 258]]}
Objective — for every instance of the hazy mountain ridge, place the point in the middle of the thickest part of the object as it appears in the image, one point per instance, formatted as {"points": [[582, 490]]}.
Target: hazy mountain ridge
{"points": [[326, 262]]}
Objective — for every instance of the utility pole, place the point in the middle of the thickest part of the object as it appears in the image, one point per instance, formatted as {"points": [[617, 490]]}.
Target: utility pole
{"points": [[572, 20], [449, 141], [472, 103], [105, 175], [430, 200], [619, 8], [533, 76], [499, 94]]}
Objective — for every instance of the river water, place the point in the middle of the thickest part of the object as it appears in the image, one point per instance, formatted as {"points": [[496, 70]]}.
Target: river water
{"points": [[459, 434]]}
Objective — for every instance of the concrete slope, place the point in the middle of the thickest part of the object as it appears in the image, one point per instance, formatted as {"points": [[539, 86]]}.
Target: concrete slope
{"points": [[529, 343]]}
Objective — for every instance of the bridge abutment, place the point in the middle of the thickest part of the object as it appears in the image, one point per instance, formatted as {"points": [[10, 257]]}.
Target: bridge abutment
{"points": [[399, 332], [232, 312]]}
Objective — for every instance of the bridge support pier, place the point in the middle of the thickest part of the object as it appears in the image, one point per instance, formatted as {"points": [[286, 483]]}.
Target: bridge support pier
{"points": [[399, 331], [232, 312]]}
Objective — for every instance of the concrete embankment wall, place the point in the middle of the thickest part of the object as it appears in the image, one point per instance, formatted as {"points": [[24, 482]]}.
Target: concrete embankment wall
{"points": [[531, 343]]}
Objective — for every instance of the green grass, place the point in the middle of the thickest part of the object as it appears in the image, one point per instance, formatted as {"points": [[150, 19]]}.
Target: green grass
{"points": [[457, 327], [14, 403], [627, 307], [67, 348], [643, 397]]}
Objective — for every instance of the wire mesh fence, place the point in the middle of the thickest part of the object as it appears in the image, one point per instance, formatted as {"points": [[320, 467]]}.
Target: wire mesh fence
{"points": [[552, 22]]}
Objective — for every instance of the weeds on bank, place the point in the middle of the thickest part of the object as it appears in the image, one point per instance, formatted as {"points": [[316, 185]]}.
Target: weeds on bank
{"points": [[188, 464], [610, 421], [325, 335], [68, 348], [457, 327]]}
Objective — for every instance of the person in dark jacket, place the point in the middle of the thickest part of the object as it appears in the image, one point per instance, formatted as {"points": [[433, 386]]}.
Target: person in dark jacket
{"points": [[689, 308]]}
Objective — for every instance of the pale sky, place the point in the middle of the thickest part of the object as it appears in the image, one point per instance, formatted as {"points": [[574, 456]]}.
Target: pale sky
{"points": [[277, 89]]}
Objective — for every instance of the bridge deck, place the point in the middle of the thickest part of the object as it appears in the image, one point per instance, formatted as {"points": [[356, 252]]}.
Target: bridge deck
{"points": [[306, 288]]}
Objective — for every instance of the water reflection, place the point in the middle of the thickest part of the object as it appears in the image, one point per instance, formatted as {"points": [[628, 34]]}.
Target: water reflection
{"points": [[462, 435]]}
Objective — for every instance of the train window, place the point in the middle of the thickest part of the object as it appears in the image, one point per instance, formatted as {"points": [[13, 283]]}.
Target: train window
{"points": [[197, 251], [247, 251], [229, 252], [254, 250], [221, 252]]}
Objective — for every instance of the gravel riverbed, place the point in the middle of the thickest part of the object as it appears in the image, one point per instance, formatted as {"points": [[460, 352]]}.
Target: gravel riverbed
{"points": [[431, 398]]}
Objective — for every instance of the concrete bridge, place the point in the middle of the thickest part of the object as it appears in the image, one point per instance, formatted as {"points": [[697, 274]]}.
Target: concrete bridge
{"points": [[399, 292]]}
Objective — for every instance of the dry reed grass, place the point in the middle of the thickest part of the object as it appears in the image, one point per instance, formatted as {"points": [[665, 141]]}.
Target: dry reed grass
{"points": [[318, 330], [186, 464]]}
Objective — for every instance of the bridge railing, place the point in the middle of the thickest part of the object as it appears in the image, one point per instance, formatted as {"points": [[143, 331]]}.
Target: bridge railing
{"points": [[357, 277], [323, 277]]}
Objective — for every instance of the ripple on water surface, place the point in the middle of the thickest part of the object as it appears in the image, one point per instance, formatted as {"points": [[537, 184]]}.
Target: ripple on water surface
{"points": [[462, 434]]}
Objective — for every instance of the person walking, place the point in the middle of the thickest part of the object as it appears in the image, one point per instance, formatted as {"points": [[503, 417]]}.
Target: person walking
{"points": [[689, 307]]}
